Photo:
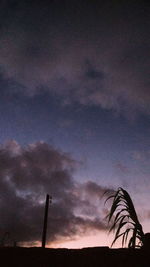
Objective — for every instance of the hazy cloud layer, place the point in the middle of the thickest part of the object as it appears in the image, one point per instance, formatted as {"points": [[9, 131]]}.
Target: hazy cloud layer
{"points": [[94, 52], [121, 168], [27, 174]]}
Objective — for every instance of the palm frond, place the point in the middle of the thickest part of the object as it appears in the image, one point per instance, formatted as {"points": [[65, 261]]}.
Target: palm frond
{"points": [[123, 214]]}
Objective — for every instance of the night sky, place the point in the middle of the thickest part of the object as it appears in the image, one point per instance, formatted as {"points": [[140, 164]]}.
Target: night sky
{"points": [[74, 116]]}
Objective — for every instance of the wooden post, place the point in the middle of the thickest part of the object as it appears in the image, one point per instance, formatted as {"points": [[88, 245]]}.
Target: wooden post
{"points": [[45, 221]]}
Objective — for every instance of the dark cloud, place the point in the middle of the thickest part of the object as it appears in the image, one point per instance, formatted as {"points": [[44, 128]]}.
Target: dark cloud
{"points": [[45, 45], [27, 174]]}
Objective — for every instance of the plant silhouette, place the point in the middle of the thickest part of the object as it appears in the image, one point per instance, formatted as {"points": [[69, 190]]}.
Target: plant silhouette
{"points": [[126, 224]]}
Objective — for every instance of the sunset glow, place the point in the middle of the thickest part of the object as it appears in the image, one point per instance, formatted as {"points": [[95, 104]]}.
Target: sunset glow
{"points": [[74, 117]]}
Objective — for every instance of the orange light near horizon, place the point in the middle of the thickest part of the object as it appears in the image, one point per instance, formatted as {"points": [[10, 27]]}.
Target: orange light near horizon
{"points": [[99, 239], [95, 239]]}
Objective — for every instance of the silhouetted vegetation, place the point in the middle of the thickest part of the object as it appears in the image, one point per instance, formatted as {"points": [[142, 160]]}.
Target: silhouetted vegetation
{"points": [[126, 224]]}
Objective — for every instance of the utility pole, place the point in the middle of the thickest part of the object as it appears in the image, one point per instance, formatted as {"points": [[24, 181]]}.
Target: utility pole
{"points": [[48, 199]]}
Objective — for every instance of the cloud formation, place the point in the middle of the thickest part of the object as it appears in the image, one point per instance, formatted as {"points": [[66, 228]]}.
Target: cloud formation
{"points": [[27, 174], [95, 53]]}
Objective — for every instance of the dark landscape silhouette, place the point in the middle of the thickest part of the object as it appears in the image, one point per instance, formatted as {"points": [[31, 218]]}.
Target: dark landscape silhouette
{"points": [[86, 257]]}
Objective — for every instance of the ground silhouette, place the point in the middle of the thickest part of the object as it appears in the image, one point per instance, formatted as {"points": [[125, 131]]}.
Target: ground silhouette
{"points": [[86, 257]]}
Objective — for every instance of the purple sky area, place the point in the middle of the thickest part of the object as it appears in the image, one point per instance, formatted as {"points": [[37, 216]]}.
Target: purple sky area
{"points": [[74, 114]]}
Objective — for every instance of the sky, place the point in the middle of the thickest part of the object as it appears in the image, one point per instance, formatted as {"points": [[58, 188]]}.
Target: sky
{"points": [[74, 116]]}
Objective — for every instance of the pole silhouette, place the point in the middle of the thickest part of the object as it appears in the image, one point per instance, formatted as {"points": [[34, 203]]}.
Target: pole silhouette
{"points": [[45, 220]]}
